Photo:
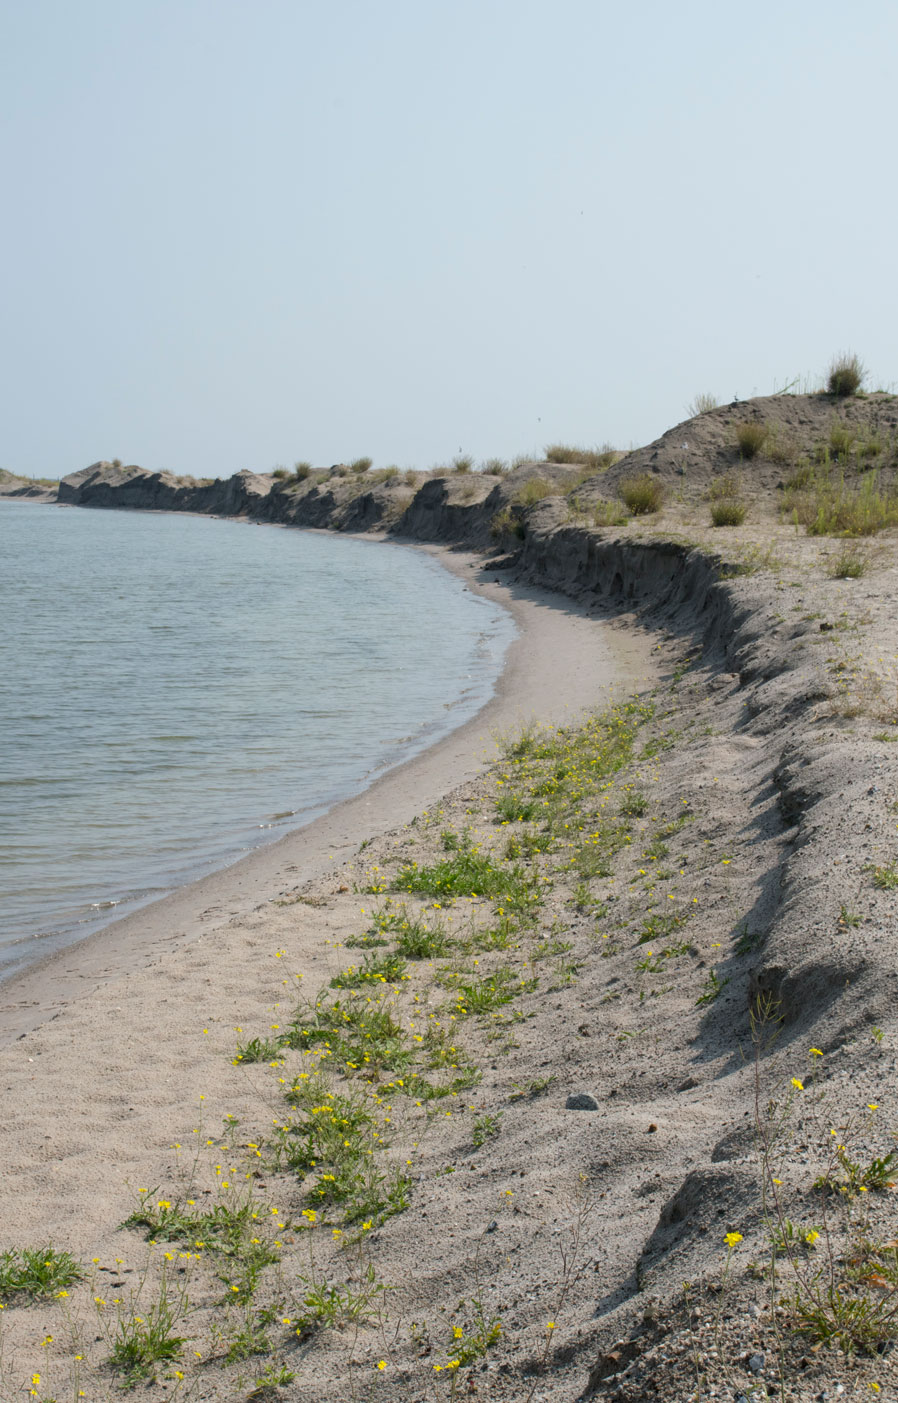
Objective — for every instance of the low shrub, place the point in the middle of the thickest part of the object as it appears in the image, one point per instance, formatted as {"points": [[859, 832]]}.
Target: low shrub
{"points": [[529, 493], [727, 511], [301, 471], [751, 437], [702, 404], [826, 505], [849, 564], [360, 465], [846, 375], [641, 494], [463, 464], [606, 513], [596, 458]]}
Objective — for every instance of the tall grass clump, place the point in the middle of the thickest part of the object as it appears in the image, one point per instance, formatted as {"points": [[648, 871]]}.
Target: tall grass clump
{"points": [[596, 458], [702, 404], [727, 506], [529, 493], [751, 437], [360, 465], [641, 494], [846, 375]]}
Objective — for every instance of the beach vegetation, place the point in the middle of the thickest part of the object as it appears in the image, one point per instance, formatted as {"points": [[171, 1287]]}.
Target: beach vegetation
{"points": [[533, 491], [751, 438], [845, 376], [605, 513], [485, 1127], [301, 471], [596, 459], [506, 523], [279, 473], [464, 463], [849, 564], [821, 500], [701, 404], [258, 1050], [642, 494], [360, 465], [496, 467], [727, 511], [37, 1272], [375, 969]]}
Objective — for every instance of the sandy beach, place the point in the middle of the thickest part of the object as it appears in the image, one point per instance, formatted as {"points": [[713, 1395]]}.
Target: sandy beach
{"points": [[554, 1068]]}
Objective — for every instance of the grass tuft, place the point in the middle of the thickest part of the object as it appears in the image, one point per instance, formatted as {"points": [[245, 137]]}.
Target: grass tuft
{"points": [[751, 437], [641, 494], [846, 375]]}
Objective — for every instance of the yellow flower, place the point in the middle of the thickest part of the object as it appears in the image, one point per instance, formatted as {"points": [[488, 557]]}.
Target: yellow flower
{"points": [[811, 1237], [732, 1238], [815, 1052], [457, 1332], [873, 1106], [550, 1325], [381, 1364], [799, 1085]]}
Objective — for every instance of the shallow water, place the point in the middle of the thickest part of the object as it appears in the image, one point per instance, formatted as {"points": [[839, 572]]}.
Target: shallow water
{"points": [[177, 689]]}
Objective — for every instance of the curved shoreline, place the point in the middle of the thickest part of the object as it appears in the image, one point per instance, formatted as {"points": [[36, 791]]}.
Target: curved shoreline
{"points": [[555, 669]]}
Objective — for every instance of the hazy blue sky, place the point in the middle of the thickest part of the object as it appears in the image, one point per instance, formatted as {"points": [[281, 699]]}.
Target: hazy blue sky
{"points": [[242, 232]]}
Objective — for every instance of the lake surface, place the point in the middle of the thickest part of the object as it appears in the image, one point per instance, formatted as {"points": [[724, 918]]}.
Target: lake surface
{"points": [[175, 690]]}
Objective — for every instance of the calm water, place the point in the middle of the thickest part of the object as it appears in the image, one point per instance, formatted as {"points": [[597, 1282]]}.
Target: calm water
{"points": [[175, 690]]}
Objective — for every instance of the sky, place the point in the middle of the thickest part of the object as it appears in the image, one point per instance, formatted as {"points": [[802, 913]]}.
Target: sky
{"points": [[237, 234]]}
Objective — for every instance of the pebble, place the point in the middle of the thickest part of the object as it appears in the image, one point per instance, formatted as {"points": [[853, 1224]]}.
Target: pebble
{"points": [[756, 1363], [581, 1101]]}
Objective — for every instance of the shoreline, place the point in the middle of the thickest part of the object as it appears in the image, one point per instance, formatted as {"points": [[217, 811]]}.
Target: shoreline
{"points": [[550, 673]]}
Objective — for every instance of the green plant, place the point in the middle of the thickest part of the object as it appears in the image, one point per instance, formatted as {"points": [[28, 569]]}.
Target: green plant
{"points": [[701, 404], [634, 804], [713, 987], [506, 523], [886, 877], [145, 1336], [827, 505], [258, 1050], [374, 969], [494, 466], [605, 513], [36, 1272], [641, 494], [360, 465], [251, 1337], [727, 511], [332, 1306], [530, 1090], [751, 437], [511, 808], [856, 1177], [301, 471], [596, 458], [464, 463], [418, 941], [280, 473], [849, 564], [485, 1128], [533, 491], [846, 375], [469, 873], [841, 440], [275, 1376]]}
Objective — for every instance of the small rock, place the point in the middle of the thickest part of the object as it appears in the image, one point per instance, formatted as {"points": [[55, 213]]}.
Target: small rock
{"points": [[493, 1226], [652, 1128], [581, 1101], [688, 1084], [756, 1363]]}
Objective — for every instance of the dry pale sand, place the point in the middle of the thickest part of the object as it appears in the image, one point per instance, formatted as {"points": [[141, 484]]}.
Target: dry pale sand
{"points": [[757, 868]]}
